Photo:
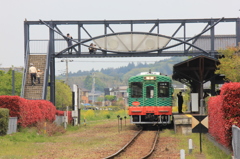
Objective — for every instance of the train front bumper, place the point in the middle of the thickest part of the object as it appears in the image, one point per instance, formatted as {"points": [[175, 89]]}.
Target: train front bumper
{"points": [[156, 110], [150, 114]]}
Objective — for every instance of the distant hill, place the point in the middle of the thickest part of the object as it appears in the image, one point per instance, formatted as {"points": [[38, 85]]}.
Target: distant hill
{"points": [[113, 77]]}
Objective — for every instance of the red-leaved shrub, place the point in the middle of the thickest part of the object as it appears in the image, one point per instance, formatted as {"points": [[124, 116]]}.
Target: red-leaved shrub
{"points": [[216, 120], [224, 112], [29, 112]]}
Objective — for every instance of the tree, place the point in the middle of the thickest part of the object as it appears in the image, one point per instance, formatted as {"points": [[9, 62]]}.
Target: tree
{"points": [[110, 98], [100, 99], [88, 82], [63, 95], [6, 82], [230, 64]]}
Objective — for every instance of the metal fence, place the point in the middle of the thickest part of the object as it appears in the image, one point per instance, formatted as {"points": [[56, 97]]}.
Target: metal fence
{"points": [[12, 125], [203, 42], [59, 120], [236, 141]]}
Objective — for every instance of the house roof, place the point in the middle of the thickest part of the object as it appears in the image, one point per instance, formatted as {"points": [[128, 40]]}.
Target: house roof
{"points": [[123, 87], [19, 69], [84, 90]]}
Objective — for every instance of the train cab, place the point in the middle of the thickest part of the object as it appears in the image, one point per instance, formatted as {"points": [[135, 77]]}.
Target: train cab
{"points": [[150, 98]]}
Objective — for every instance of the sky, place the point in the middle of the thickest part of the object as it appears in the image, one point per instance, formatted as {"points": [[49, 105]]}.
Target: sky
{"points": [[14, 12]]}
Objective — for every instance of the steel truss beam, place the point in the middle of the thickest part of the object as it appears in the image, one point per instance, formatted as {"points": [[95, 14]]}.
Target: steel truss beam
{"points": [[156, 24], [212, 22]]}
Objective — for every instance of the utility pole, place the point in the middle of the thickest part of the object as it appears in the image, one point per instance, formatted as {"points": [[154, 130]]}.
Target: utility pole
{"points": [[93, 87], [66, 70], [66, 60]]}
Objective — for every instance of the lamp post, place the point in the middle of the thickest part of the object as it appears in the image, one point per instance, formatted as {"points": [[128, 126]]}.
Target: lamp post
{"points": [[66, 60]]}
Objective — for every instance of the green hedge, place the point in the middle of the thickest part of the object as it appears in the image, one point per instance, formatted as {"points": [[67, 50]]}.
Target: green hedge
{"points": [[4, 118]]}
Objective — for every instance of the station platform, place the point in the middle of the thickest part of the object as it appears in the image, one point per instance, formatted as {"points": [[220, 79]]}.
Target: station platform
{"points": [[182, 123]]}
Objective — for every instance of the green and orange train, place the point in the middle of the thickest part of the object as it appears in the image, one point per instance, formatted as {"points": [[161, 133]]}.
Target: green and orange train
{"points": [[150, 98]]}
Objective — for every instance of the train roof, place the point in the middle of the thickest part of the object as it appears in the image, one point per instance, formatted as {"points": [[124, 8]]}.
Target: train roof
{"points": [[149, 73], [142, 74]]}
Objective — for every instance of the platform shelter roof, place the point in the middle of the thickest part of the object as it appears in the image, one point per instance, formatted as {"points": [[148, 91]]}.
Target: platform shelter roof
{"points": [[199, 69]]}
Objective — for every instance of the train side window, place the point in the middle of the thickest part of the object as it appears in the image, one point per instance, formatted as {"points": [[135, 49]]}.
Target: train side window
{"points": [[163, 89], [150, 92], [136, 89]]}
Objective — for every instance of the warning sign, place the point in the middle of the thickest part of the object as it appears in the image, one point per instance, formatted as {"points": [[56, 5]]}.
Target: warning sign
{"points": [[199, 124]]}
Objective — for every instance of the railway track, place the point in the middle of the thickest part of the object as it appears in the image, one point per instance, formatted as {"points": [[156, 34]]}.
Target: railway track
{"points": [[141, 145]]}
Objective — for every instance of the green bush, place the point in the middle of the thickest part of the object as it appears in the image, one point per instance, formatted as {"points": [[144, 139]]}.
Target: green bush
{"points": [[4, 117]]}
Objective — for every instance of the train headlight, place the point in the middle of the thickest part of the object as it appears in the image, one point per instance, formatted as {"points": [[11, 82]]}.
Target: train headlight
{"points": [[150, 78]]}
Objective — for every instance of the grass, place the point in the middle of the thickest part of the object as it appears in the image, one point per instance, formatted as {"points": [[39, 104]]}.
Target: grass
{"points": [[94, 115], [28, 143], [19, 143], [26, 135], [208, 148]]}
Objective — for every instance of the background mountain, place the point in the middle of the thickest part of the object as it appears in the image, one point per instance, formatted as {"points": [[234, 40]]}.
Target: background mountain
{"points": [[114, 77]]}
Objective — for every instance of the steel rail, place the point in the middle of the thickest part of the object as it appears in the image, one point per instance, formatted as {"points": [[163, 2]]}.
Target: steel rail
{"points": [[124, 147], [153, 146]]}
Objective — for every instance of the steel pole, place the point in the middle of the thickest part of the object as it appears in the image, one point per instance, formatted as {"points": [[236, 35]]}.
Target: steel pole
{"points": [[13, 81]]}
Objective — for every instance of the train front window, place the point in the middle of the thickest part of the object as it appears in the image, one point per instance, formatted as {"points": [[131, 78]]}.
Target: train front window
{"points": [[163, 89], [150, 92], [136, 89]]}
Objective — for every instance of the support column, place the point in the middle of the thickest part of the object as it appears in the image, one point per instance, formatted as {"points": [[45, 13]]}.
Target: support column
{"points": [[238, 32], [79, 39], [52, 80], [26, 53], [26, 39], [213, 87], [184, 38], [212, 37], [201, 74], [52, 64], [105, 32]]}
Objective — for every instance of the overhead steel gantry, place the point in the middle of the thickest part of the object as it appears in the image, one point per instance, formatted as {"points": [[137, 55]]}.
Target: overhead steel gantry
{"points": [[131, 43]]}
